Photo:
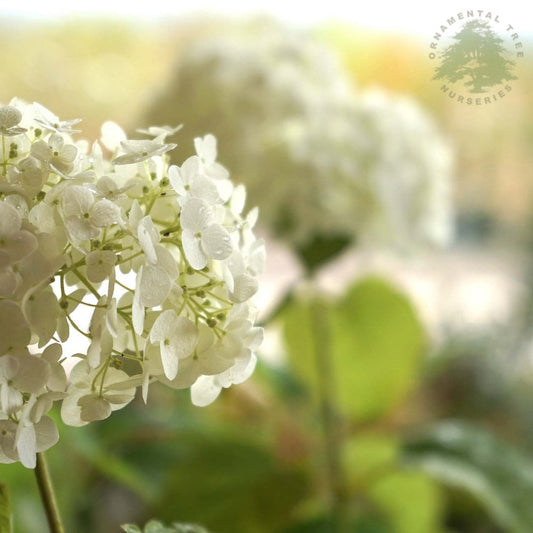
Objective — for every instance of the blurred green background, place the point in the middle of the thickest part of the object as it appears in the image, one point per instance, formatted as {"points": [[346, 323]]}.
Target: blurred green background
{"points": [[422, 419]]}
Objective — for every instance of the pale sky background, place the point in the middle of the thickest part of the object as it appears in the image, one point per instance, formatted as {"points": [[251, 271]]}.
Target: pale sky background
{"points": [[420, 18]]}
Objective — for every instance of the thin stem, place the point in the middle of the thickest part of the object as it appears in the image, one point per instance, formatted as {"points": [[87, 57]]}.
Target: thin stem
{"points": [[46, 489], [4, 164], [85, 281], [5, 510], [332, 437]]}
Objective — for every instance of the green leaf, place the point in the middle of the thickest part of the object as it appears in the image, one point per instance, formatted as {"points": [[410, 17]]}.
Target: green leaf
{"points": [[378, 342], [131, 528], [367, 456], [5, 510], [154, 526], [471, 459], [371, 340], [299, 333], [188, 528], [320, 249], [411, 501], [157, 527], [371, 465]]}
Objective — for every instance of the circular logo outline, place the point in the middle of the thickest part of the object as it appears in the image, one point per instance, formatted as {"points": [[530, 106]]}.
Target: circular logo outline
{"points": [[471, 58]]}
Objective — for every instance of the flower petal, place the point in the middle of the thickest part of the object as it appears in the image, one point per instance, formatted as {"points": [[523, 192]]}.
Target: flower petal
{"points": [[8, 283], [112, 135], [205, 391], [26, 445], [9, 116], [169, 359], [14, 330], [239, 372], [94, 407], [71, 411], [216, 241], [77, 200], [10, 220], [206, 147], [217, 172], [148, 236], [163, 326], [196, 215], [100, 263], [11, 400], [46, 434], [32, 375], [167, 262], [184, 337], [206, 188], [20, 245], [137, 309], [155, 286], [81, 229], [245, 287], [104, 213], [42, 311], [193, 251]]}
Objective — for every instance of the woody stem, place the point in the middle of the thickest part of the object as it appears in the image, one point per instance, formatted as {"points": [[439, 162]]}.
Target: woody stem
{"points": [[330, 425], [46, 490]]}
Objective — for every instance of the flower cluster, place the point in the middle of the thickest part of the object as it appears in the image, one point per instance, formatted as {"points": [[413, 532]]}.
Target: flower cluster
{"points": [[373, 167], [317, 155], [161, 258]]}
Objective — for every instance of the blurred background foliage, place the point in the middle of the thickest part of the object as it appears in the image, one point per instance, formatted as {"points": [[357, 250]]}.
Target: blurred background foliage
{"points": [[383, 404]]}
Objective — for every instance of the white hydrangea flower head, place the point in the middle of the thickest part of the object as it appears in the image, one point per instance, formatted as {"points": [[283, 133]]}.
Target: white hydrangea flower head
{"points": [[375, 167], [318, 156], [156, 254]]}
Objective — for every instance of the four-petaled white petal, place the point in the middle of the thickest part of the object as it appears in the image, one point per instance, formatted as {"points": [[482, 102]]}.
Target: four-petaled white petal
{"points": [[141, 150], [84, 215], [100, 263], [189, 182], [206, 148], [202, 237]]}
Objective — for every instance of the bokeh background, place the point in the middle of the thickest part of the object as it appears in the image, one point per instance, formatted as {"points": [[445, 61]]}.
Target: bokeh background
{"points": [[425, 423]]}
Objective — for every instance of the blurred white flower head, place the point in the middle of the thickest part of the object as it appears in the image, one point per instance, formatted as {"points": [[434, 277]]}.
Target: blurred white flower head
{"points": [[316, 155], [159, 257]]}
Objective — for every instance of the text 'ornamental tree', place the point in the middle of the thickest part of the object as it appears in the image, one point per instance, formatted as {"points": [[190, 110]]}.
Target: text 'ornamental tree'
{"points": [[477, 57]]}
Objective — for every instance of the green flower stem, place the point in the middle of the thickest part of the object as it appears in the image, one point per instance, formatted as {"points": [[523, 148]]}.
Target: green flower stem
{"points": [[85, 281], [332, 436], [4, 164], [5, 510], [46, 489]]}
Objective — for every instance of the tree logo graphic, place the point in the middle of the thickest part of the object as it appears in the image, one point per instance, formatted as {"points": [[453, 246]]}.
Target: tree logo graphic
{"points": [[477, 58], [472, 59]]}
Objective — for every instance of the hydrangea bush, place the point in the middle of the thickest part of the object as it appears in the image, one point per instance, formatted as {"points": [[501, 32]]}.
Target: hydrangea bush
{"points": [[155, 264], [316, 154]]}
